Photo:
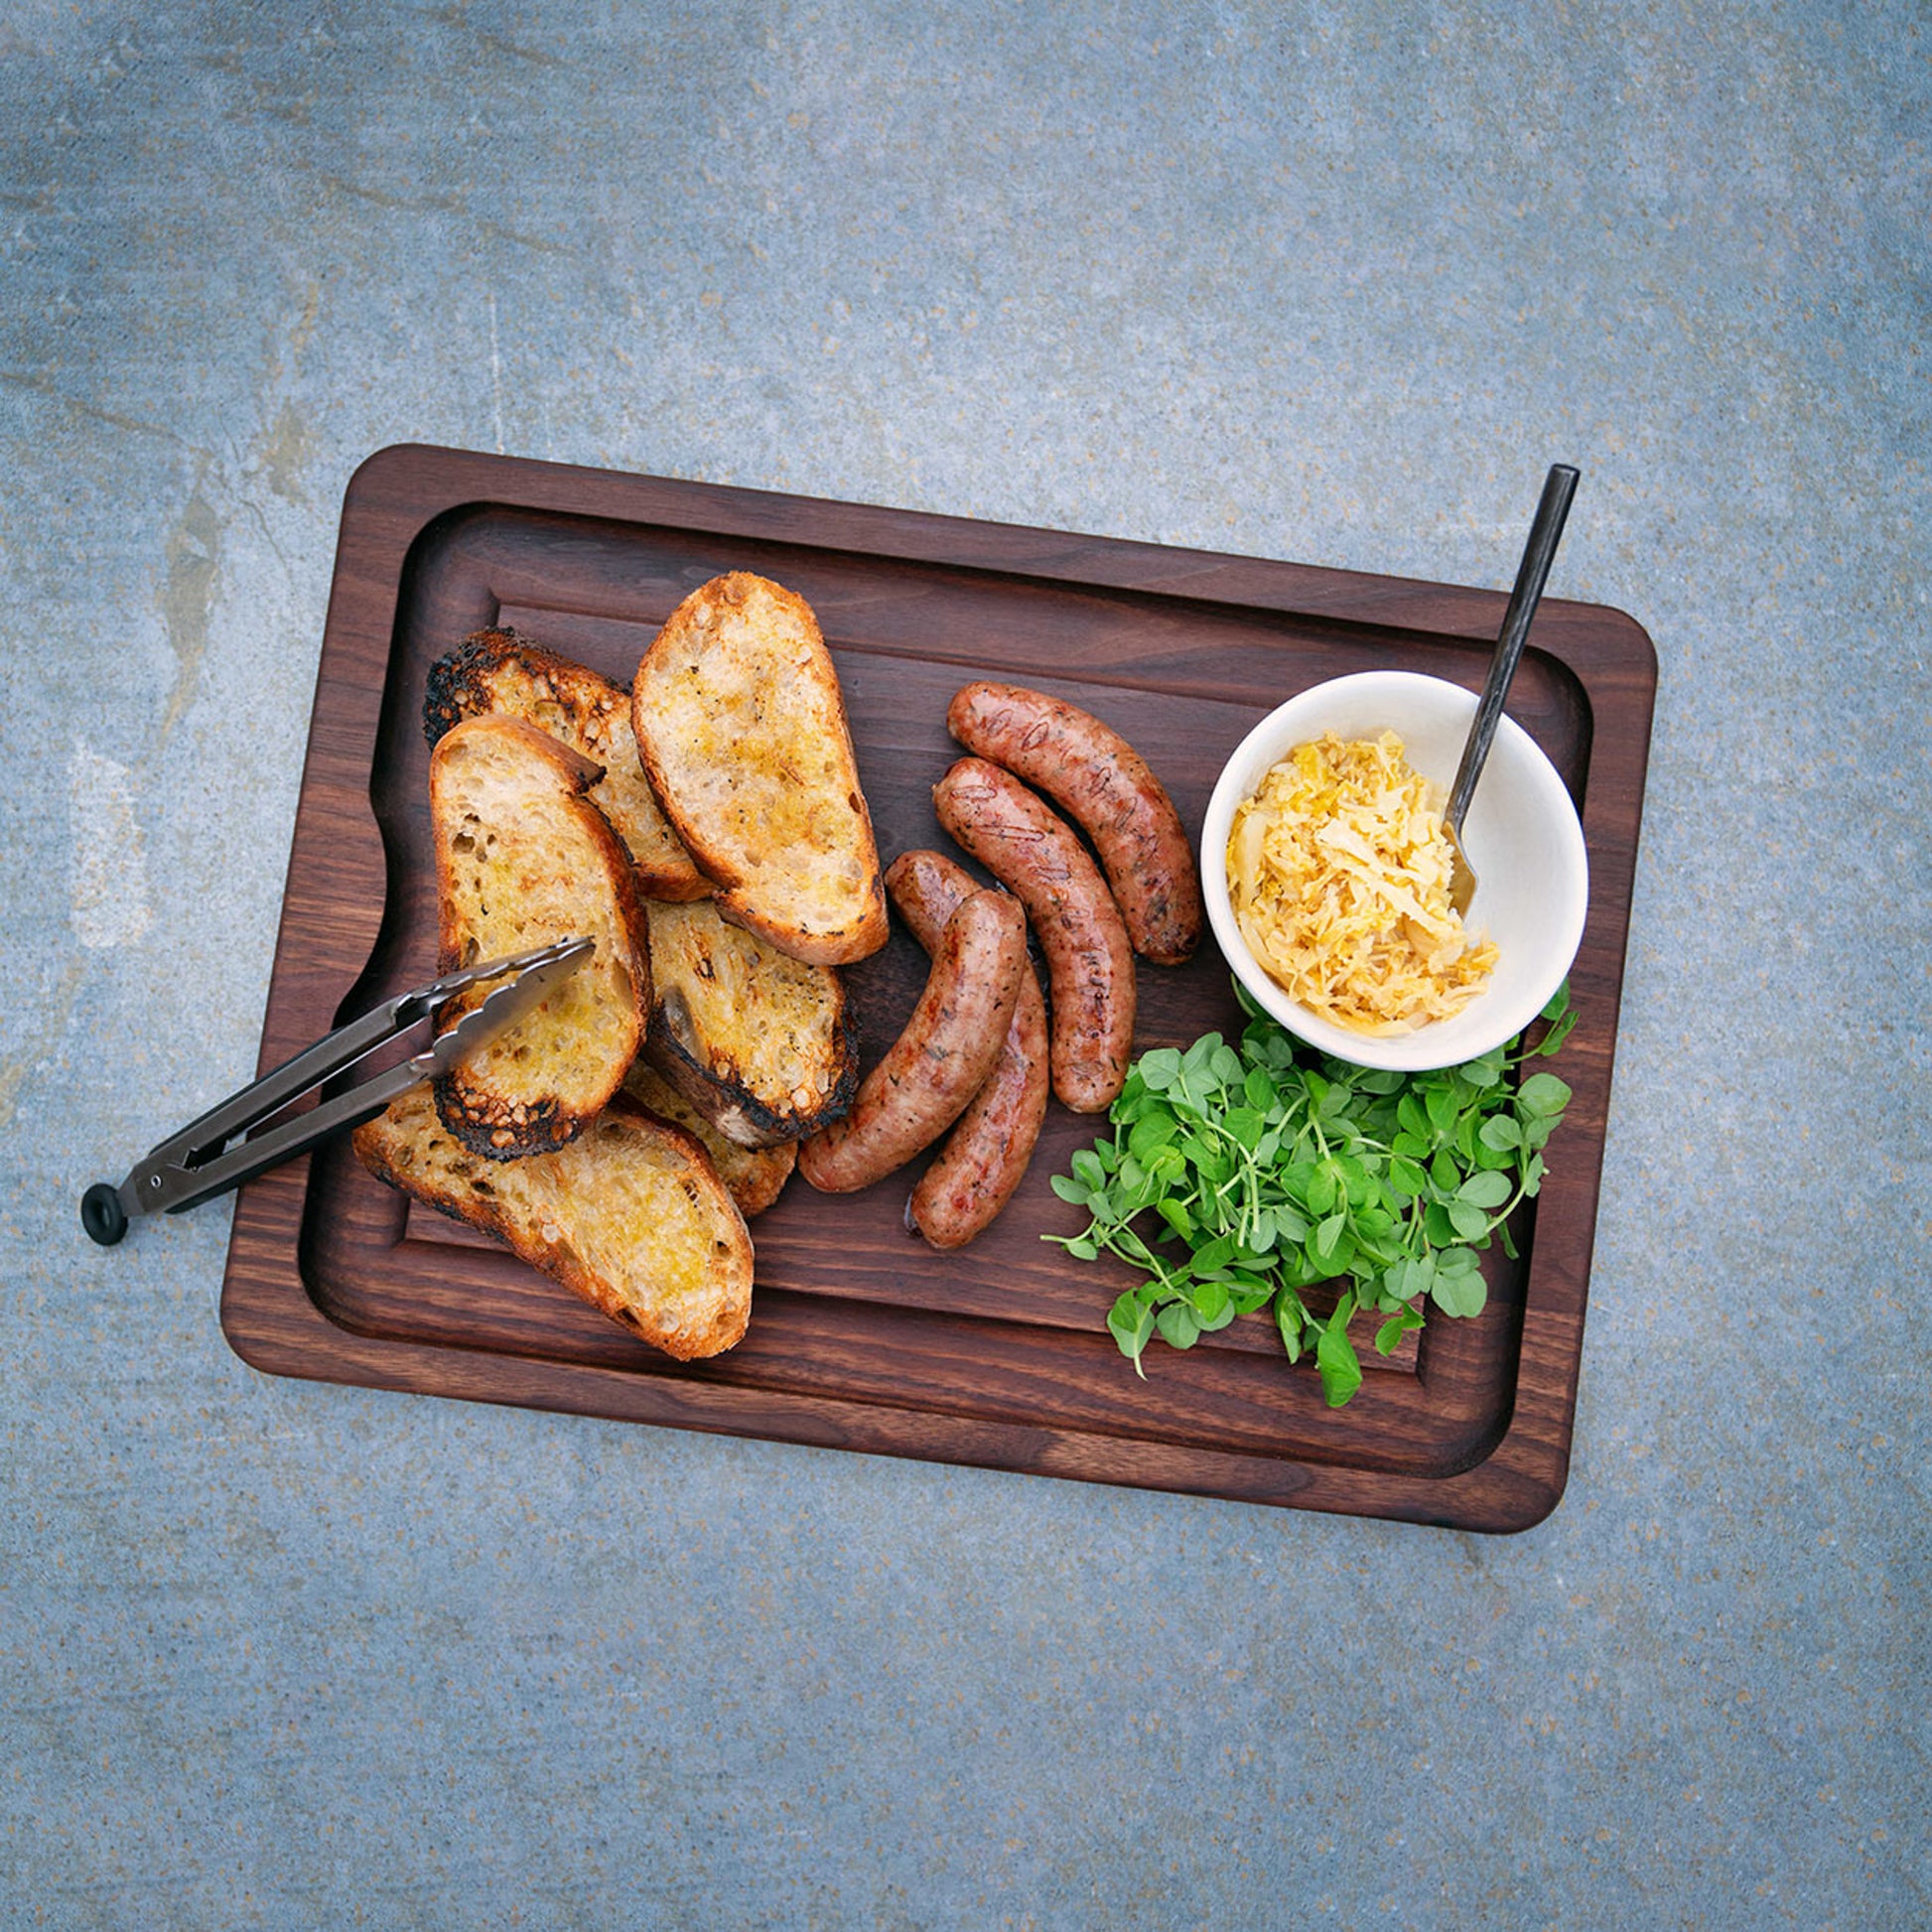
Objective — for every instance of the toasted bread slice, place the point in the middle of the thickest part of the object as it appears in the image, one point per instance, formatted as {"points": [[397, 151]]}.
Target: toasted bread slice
{"points": [[742, 727], [524, 858], [754, 1177], [500, 671], [759, 1042], [630, 1215]]}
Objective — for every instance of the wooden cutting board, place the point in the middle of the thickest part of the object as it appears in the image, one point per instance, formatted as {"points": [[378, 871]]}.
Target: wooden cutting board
{"points": [[862, 1337]]}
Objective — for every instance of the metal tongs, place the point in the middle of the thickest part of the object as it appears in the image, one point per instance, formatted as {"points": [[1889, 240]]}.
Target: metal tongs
{"points": [[218, 1152]]}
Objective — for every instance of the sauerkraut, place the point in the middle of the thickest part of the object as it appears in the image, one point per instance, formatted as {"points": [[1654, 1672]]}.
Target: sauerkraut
{"points": [[1338, 869]]}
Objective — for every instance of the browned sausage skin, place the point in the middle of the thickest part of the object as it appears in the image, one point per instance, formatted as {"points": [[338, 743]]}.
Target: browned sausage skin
{"points": [[1095, 774], [933, 1069], [985, 1157], [1035, 852]]}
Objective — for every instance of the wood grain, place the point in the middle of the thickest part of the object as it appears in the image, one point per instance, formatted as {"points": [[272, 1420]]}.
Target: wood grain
{"points": [[862, 1337]]}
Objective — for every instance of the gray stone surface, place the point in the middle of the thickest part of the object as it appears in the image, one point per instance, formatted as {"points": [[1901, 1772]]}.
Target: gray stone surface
{"points": [[1316, 282]]}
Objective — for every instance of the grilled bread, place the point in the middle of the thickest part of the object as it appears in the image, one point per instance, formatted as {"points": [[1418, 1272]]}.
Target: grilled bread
{"points": [[754, 1177], [742, 728], [500, 671], [524, 858], [630, 1216], [759, 1042]]}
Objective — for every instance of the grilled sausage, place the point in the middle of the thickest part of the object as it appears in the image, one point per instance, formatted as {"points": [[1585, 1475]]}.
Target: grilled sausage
{"points": [[933, 1069], [1090, 962], [986, 1156], [1111, 790]]}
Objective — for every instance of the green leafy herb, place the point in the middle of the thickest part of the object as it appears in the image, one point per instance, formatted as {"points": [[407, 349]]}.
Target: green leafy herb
{"points": [[1238, 1177]]}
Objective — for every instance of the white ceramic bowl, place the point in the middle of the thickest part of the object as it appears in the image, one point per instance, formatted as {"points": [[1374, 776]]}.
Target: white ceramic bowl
{"points": [[1522, 837]]}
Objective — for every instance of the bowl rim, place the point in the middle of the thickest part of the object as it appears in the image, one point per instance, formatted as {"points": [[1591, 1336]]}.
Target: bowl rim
{"points": [[1402, 1052]]}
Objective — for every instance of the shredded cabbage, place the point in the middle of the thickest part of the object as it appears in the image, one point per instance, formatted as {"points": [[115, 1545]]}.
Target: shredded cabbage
{"points": [[1338, 869]]}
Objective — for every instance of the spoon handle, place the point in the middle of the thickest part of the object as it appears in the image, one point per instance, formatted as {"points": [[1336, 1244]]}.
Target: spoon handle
{"points": [[1530, 575]]}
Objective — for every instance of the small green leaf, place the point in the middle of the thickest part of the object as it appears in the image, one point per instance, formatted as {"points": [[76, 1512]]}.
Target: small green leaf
{"points": [[1482, 1073], [1176, 1217], [1323, 1187], [1485, 1189], [1213, 1305], [1542, 1093], [1131, 1325], [1288, 1325], [1294, 1180], [1200, 1056], [1289, 1225], [1178, 1326], [1086, 1167], [1501, 1133], [1406, 1179], [1069, 1190], [1336, 1357], [1389, 1335], [1082, 1249], [1328, 1238], [1471, 1222], [1354, 1178], [1214, 1165], [1159, 1068], [1213, 1257], [1416, 1276], [1460, 1294], [1249, 1293]]}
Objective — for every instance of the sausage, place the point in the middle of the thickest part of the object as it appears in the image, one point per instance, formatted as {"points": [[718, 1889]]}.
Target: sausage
{"points": [[935, 1066], [1091, 771], [1090, 962], [986, 1156]]}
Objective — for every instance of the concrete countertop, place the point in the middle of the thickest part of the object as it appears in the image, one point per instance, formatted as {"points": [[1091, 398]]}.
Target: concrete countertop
{"points": [[1324, 284]]}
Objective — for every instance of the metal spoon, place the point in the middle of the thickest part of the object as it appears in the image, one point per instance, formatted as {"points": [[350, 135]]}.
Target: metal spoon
{"points": [[1530, 575]]}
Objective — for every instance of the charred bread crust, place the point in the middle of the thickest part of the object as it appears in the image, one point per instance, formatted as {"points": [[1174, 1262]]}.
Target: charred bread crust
{"points": [[538, 1087], [500, 670], [742, 727], [689, 1295], [732, 1107], [762, 1044]]}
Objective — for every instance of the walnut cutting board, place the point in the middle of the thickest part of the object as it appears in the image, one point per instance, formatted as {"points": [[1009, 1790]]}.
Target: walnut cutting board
{"points": [[862, 1337]]}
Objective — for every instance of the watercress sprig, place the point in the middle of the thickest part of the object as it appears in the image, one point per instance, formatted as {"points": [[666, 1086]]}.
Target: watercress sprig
{"points": [[1238, 1175]]}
